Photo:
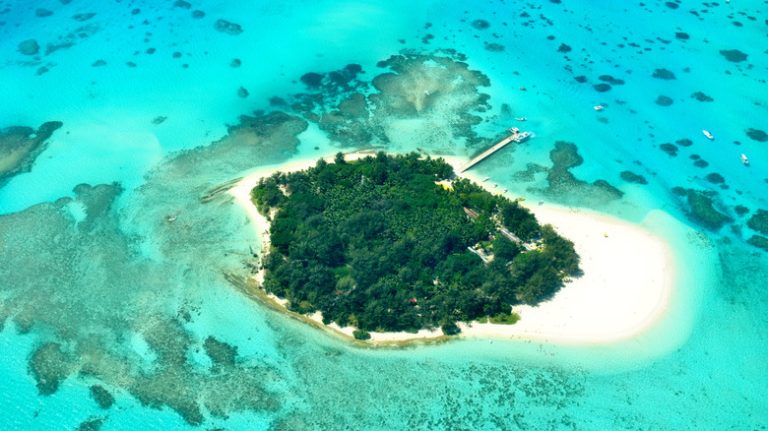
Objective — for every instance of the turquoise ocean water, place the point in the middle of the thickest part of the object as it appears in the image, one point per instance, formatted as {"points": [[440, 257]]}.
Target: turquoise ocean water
{"points": [[115, 278]]}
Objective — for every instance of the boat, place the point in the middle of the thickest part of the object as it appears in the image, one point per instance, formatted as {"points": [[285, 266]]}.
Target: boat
{"points": [[521, 119], [598, 108], [522, 136], [744, 159], [708, 135]]}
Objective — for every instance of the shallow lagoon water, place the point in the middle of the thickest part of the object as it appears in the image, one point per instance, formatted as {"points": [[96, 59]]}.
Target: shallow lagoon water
{"points": [[130, 298]]}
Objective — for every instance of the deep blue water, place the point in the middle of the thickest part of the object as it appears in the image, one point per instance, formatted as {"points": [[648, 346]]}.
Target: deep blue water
{"points": [[100, 289]]}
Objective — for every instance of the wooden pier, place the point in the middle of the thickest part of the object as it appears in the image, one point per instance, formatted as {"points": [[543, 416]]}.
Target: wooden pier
{"points": [[515, 136]]}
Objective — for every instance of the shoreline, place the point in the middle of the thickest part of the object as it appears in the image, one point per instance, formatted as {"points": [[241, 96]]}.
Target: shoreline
{"points": [[629, 274]]}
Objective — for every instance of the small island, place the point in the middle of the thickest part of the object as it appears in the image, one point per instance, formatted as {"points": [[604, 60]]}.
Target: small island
{"points": [[391, 243]]}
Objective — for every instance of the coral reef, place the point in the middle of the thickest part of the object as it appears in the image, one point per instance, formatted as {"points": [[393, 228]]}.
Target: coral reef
{"points": [[700, 207], [227, 27], [757, 135], [733, 55], [759, 221], [20, 146], [632, 177], [565, 187], [663, 74], [80, 283], [432, 93]]}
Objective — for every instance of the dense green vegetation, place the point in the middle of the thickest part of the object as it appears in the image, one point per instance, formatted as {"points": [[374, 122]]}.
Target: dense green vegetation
{"points": [[378, 244]]}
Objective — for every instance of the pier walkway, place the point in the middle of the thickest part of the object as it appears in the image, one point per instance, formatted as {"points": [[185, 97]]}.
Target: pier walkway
{"points": [[515, 136]]}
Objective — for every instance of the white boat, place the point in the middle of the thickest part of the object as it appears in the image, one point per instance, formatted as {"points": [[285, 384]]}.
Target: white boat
{"points": [[522, 137], [708, 135], [598, 108], [744, 159]]}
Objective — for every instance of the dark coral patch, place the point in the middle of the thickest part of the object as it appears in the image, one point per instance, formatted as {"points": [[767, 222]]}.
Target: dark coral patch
{"points": [[740, 210], [227, 27], [20, 146], [684, 142], [312, 79], [29, 47], [733, 55], [529, 173], [49, 365], [91, 424], [632, 177], [494, 47], [611, 80], [701, 209], [701, 163], [566, 187], [480, 24], [83, 16], [663, 74], [759, 221], [672, 5], [701, 97], [564, 48], [758, 241], [715, 178], [682, 35], [664, 100], [601, 87], [221, 353], [102, 396], [757, 135], [670, 149], [679, 191], [580, 79]]}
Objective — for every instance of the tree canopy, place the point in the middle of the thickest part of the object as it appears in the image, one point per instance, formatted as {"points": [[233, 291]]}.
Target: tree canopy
{"points": [[392, 243]]}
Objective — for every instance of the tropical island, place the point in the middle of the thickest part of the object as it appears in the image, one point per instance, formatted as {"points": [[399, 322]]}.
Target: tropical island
{"points": [[391, 243]]}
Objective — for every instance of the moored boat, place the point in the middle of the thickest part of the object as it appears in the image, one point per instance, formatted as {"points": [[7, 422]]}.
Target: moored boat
{"points": [[522, 136], [598, 107], [708, 135], [744, 159]]}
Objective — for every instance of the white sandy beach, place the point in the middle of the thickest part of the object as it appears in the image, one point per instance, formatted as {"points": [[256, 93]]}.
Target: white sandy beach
{"points": [[628, 275]]}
